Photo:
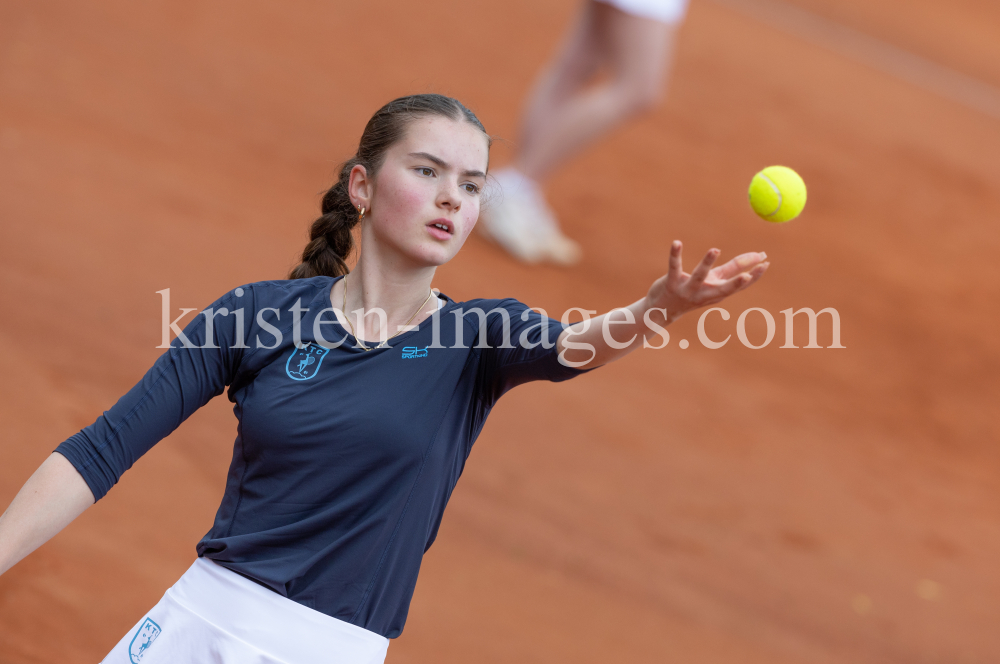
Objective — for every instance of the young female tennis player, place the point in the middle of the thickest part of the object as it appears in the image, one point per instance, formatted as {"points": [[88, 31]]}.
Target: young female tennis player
{"points": [[353, 428]]}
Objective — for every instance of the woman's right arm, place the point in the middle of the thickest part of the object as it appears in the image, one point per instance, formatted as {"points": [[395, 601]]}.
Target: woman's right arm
{"points": [[51, 498], [85, 466]]}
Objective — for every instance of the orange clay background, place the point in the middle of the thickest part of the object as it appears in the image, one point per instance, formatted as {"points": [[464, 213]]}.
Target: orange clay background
{"points": [[691, 506]]}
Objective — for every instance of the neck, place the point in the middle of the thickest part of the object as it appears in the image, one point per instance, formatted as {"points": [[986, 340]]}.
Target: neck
{"points": [[396, 291]]}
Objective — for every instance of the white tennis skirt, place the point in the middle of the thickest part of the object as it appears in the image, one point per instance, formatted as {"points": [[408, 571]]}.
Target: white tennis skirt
{"points": [[667, 11], [215, 616]]}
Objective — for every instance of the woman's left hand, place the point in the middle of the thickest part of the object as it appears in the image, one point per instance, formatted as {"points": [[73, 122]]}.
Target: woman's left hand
{"points": [[679, 292], [591, 343]]}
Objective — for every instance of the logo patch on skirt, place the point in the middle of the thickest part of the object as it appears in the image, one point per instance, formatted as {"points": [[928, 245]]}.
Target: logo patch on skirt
{"points": [[148, 631]]}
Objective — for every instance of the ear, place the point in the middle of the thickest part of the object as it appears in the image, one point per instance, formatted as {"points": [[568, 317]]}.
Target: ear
{"points": [[360, 187]]}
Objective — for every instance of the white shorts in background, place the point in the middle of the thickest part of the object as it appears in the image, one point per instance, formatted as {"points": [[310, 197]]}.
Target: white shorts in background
{"points": [[666, 11], [215, 616]]}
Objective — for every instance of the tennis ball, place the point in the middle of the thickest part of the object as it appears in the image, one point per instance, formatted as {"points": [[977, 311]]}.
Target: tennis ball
{"points": [[777, 194]]}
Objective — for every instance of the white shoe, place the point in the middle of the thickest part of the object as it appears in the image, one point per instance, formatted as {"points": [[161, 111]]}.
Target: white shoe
{"points": [[520, 221]]}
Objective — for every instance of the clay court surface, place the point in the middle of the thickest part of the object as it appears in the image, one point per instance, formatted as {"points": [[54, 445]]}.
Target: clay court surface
{"points": [[691, 506]]}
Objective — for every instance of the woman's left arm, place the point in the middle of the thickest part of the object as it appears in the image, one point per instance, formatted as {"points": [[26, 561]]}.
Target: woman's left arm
{"points": [[614, 335]]}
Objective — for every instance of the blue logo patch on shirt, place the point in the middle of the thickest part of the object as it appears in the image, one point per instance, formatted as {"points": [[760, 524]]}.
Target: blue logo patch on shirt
{"points": [[304, 362], [411, 352], [148, 631]]}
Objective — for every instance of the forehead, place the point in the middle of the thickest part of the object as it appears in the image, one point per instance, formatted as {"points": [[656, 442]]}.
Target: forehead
{"points": [[460, 143]]}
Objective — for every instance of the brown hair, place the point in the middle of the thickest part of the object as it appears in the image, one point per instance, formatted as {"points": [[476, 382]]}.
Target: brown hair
{"points": [[330, 238]]}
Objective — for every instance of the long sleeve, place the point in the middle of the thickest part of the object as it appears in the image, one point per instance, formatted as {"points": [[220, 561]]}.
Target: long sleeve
{"points": [[522, 348], [182, 380]]}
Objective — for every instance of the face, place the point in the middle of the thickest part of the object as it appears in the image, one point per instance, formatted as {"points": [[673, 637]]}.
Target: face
{"points": [[424, 200]]}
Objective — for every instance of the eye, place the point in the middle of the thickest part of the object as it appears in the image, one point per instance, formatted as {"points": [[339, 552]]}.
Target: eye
{"points": [[426, 171], [471, 187]]}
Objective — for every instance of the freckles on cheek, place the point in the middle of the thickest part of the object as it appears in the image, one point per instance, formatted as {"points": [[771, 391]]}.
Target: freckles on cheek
{"points": [[399, 209], [470, 222], [409, 201]]}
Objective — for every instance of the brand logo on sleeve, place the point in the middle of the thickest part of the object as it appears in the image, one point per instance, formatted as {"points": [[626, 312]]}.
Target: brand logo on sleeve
{"points": [[412, 352], [304, 362], [143, 639]]}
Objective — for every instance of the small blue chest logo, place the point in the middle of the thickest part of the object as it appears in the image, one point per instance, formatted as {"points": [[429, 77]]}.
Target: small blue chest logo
{"points": [[304, 362], [148, 631], [412, 352]]}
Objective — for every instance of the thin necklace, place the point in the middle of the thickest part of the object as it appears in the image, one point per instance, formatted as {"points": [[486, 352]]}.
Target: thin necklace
{"points": [[402, 328]]}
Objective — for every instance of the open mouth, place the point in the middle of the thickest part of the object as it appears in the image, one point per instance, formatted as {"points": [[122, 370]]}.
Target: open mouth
{"points": [[442, 225]]}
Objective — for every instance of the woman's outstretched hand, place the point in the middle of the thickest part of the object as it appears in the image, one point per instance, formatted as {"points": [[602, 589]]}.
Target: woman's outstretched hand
{"points": [[679, 292], [593, 343]]}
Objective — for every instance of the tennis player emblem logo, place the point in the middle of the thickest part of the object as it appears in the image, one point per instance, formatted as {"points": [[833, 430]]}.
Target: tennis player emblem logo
{"points": [[148, 631], [304, 362]]}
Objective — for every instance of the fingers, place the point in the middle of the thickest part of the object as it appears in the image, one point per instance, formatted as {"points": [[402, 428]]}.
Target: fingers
{"points": [[741, 281], [735, 275], [758, 272], [742, 263], [747, 279], [704, 267], [676, 268]]}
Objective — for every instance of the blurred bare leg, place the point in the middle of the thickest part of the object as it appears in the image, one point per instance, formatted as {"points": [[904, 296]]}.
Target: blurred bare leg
{"points": [[577, 61], [566, 111], [563, 116]]}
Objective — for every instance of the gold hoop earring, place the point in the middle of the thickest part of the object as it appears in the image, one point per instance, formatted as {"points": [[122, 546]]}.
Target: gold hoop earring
{"points": [[361, 213]]}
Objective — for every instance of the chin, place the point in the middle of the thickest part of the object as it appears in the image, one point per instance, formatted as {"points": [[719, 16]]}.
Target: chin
{"points": [[433, 256]]}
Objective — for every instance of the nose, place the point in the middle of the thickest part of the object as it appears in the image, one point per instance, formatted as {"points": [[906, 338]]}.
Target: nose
{"points": [[449, 196]]}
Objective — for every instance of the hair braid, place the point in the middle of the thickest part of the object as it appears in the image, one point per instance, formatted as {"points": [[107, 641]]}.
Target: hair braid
{"points": [[330, 239]]}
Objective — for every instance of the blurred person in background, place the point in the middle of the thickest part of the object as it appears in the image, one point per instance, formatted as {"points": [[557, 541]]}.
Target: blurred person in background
{"points": [[632, 42]]}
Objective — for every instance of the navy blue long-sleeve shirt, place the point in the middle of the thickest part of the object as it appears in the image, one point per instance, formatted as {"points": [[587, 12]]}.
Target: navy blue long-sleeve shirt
{"points": [[344, 458]]}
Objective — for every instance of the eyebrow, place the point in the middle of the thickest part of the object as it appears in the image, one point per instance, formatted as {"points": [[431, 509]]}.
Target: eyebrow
{"points": [[443, 164]]}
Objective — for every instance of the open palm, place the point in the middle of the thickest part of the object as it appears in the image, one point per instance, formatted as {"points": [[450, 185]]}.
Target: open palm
{"points": [[679, 292]]}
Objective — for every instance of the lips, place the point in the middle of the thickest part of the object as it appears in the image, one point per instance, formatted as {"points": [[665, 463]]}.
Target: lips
{"points": [[441, 229]]}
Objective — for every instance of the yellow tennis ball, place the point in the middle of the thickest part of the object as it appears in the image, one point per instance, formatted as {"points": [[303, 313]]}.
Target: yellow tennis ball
{"points": [[777, 194]]}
